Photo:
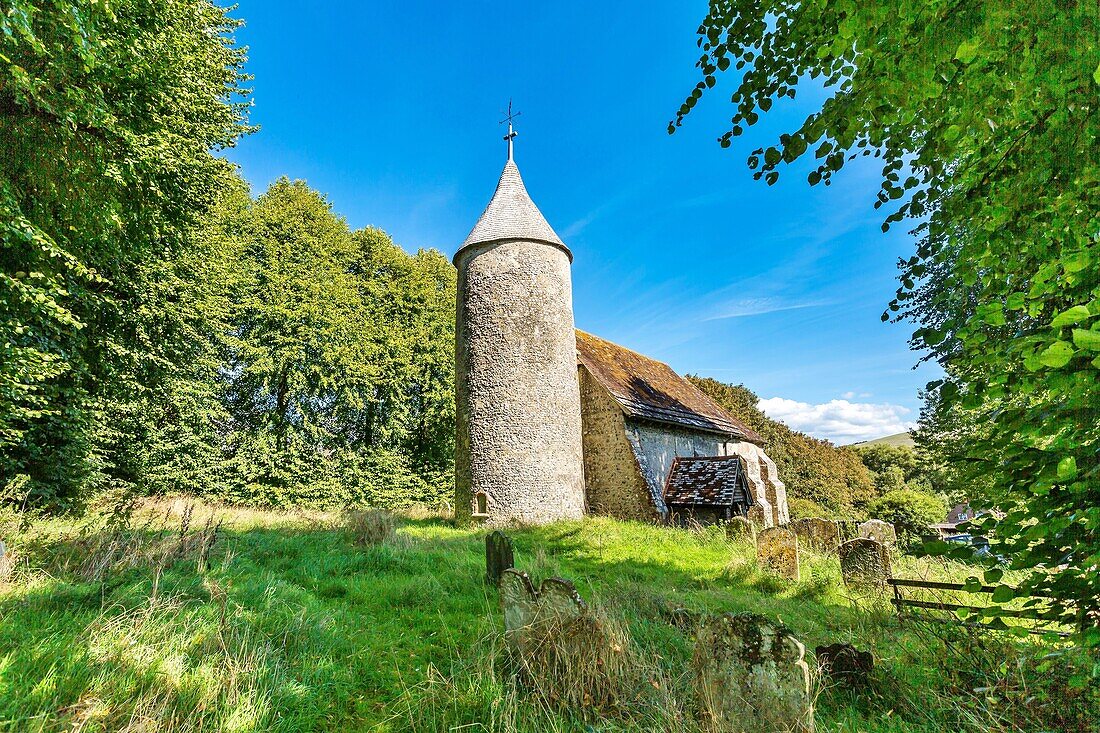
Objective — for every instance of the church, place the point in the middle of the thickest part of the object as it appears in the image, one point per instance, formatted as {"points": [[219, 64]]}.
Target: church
{"points": [[554, 423]]}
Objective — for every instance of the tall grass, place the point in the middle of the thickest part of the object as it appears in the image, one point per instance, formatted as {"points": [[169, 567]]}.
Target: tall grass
{"points": [[187, 617]]}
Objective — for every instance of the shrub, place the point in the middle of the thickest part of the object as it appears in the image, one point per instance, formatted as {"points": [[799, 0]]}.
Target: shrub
{"points": [[805, 508], [370, 526], [911, 512]]}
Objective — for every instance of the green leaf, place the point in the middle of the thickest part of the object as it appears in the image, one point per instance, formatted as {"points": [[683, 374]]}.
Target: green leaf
{"points": [[1067, 468], [931, 336], [992, 314], [1003, 594], [967, 51], [993, 575], [1057, 355], [1096, 74], [1087, 340], [1076, 314]]}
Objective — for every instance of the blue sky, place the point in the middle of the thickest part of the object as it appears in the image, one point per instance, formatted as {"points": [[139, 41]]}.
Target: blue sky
{"points": [[392, 110]]}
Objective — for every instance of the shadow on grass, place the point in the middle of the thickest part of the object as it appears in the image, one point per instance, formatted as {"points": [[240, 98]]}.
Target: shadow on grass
{"points": [[296, 627]]}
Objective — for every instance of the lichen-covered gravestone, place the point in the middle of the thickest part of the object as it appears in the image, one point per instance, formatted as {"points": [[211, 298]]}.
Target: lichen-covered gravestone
{"points": [[757, 516], [525, 608], [820, 535], [864, 562], [498, 556], [739, 528], [777, 551], [879, 531], [5, 561], [751, 676]]}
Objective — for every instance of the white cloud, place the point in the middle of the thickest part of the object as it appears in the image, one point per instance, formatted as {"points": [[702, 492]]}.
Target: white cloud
{"points": [[757, 307], [840, 421], [853, 395]]}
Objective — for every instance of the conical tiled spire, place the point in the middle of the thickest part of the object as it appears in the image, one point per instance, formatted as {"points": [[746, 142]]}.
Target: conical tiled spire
{"points": [[512, 215]]}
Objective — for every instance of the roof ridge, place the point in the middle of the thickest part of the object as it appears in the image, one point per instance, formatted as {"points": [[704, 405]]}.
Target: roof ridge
{"points": [[647, 389], [625, 348]]}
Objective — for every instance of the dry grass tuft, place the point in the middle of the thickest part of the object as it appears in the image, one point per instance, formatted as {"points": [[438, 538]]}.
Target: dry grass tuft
{"points": [[123, 543], [370, 526], [586, 669], [582, 664]]}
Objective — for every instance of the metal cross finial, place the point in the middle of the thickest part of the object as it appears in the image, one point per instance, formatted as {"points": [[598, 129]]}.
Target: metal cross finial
{"points": [[509, 116]]}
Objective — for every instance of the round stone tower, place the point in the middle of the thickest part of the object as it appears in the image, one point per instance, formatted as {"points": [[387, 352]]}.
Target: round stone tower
{"points": [[518, 442]]}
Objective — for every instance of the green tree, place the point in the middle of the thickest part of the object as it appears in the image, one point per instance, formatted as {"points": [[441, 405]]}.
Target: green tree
{"points": [[109, 113], [986, 116], [911, 512], [340, 364], [301, 344]]}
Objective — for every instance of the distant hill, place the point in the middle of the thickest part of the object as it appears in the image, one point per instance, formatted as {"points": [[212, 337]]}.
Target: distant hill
{"points": [[897, 440]]}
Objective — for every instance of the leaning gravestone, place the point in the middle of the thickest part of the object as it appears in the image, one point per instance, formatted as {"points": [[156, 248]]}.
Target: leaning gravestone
{"points": [[864, 562], [820, 535], [757, 516], [879, 531], [777, 551], [751, 676], [498, 556], [525, 608], [5, 561], [740, 527]]}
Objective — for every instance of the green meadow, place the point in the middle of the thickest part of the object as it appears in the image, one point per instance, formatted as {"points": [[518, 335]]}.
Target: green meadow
{"points": [[188, 617]]}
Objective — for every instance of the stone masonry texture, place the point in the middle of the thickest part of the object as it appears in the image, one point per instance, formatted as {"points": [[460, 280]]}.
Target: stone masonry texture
{"points": [[518, 401], [613, 481]]}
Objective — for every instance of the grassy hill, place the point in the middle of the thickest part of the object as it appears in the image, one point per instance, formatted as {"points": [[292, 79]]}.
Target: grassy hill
{"points": [[897, 440], [234, 620]]}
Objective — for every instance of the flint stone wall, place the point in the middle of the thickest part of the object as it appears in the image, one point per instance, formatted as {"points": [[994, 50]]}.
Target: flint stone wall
{"points": [[613, 481], [518, 433]]}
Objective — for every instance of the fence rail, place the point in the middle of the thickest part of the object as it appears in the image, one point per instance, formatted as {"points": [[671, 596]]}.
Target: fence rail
{"points": [[1031, 613]]}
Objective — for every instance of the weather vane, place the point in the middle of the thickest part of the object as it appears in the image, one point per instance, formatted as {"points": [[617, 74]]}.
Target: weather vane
{"points": [[509, 116]]}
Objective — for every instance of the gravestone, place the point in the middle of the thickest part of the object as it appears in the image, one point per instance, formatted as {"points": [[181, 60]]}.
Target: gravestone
{"points": [[757, 516], [751, 676], [5, 561], [740, 527], [777, 552], [525, 608], [820, 535], [879, 531], [864, 562], [845, 664], [498, 556]]}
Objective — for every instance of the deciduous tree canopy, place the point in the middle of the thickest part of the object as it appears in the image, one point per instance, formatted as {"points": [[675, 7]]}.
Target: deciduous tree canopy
{"points": [[986, 116], [160, 330], [109, 113]]}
